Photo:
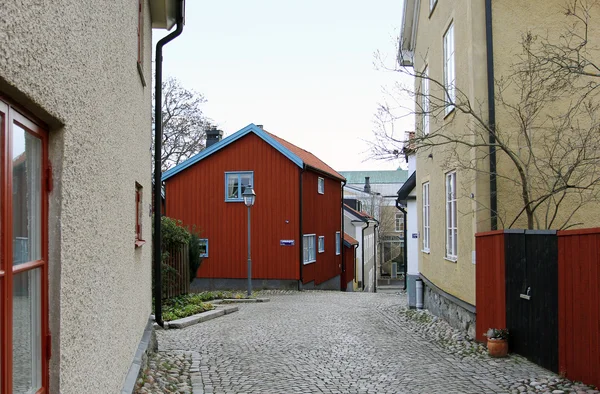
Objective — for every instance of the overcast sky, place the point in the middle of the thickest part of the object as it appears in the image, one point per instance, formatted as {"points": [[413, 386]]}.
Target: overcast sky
{"points": [[303, 69]]}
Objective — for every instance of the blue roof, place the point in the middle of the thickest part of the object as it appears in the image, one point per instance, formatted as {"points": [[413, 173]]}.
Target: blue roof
{"points": [[251, 128]]}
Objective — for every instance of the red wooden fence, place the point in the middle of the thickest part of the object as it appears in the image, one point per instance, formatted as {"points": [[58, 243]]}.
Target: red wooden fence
{"points": [[177, 281], [349, 261], [579, 304], [490, 289]]}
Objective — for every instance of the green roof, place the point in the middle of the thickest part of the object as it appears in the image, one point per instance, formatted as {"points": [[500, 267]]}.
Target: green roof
{"points": [[389, 176]]}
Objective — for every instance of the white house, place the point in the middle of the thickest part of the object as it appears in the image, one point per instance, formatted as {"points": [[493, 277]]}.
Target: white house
{"points": [[362, 227]]}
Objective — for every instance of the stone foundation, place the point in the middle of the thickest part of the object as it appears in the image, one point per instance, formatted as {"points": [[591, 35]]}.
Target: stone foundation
{"points": [[209, 284], [331, 284], [443, 305]]}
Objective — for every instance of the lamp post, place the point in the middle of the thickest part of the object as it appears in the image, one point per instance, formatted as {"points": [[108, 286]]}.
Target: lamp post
{"points": [[249, 197]]}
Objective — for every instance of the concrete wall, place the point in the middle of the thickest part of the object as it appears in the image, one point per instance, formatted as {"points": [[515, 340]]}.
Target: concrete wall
{"points": [[73, 64]]}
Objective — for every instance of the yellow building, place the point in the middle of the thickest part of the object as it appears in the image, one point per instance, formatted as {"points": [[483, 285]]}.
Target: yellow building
{"points": [[471, 77]]}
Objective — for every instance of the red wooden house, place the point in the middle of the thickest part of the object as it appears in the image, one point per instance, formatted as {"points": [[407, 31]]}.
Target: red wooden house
{"points": [[296, 221]]}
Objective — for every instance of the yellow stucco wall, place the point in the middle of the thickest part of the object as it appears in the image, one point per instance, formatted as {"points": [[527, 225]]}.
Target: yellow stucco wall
{"points": [[511, 19], [454, 277]]}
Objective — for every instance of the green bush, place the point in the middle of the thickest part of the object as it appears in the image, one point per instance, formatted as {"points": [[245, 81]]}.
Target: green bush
{"points": [[173, 235], [194, 254], [183, 306]]}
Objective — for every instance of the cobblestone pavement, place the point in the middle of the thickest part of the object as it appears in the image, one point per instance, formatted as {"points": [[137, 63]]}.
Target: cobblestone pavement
{"points": [[332, 342]]}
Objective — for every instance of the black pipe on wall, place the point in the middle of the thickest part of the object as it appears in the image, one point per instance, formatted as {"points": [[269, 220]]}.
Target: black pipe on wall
{"points": [[156, 242], [492, 114]]}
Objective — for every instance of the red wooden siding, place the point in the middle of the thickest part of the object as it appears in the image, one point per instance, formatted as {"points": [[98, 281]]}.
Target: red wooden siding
{"points": [[322, 215], [349, 259], [490, 282], [579, 305], [197, 197]]}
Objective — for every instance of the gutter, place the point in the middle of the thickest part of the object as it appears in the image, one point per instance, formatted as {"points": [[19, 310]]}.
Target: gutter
{"points": [[343, 232], [405, 257], [491, 113], [301, 236], [375, 255], [156, 242]]}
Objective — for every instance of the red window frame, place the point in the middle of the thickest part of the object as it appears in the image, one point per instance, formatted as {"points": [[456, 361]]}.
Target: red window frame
{"points": [[140, 33], [9, 115], [140, 42], [139, 239]]}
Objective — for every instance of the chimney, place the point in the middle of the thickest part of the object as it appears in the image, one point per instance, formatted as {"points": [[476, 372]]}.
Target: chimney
{"points": [[260, 126], [213, 135], [367, 188]]}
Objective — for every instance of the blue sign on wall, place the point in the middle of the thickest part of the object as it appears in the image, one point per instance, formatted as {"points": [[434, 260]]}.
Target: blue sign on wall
{"points": [[286, 242], [415, 235]]}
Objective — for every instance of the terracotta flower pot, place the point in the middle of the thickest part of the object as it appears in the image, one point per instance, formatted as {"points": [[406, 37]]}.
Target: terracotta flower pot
{"points": [[497, 347]]}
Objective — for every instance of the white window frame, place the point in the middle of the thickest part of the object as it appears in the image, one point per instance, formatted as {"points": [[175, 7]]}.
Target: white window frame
{"points": [[398, 223], [204, 241], [321, 243], [425, 101], [449, 68], [426, 218], [338, 242], [309, 246], [239, 175], [451, 217], [432, 4], [321, 185]]}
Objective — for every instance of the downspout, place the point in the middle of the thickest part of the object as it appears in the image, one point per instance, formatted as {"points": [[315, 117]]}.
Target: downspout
{"points": [[405, 257], [375, 256], [363, 254], [492, 114], [301, 236], [355, 249], [342, 233], [156, 242]]}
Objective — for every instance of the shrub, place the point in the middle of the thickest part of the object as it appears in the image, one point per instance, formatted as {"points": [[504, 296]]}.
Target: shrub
{"points": [[173, 235], [194, 254]]}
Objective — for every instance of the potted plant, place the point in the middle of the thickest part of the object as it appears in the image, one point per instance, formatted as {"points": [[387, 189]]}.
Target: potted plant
{"points": [[497, 342]]}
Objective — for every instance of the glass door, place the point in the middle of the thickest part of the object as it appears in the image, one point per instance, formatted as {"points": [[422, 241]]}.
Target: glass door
{"points": [[24, 259]]}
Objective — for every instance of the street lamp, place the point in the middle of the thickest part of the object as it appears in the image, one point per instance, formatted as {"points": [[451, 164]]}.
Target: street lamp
{"points": [[249, 197]]}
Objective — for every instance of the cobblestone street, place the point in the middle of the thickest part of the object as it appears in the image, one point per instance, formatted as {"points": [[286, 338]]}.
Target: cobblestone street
{"points": [[332, 342]]}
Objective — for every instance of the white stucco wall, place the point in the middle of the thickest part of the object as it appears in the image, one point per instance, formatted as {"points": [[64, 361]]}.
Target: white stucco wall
{"points": [[412, 254], [369, 259], [72, 63]]}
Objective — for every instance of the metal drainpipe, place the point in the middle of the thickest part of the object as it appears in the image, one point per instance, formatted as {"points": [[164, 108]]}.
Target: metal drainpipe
{"points": [[363, 254], [301, 243], [405, 257], [157, 247], [491, 113], [342, 233], [375, 256]]}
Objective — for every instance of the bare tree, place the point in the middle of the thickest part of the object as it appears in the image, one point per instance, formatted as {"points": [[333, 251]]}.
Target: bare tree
{"points": [[551, 131], [184, 124]]}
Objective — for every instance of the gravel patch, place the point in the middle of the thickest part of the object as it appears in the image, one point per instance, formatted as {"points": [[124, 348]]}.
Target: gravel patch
{"points": [[167, 372]]}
